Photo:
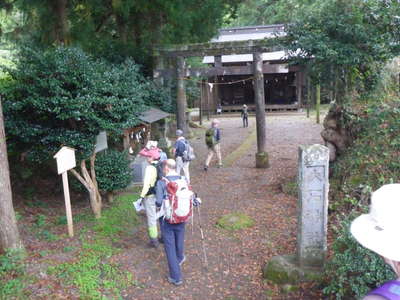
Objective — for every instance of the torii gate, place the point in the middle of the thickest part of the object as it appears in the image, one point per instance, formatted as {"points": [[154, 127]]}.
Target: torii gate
{"points": [[179, 53]]}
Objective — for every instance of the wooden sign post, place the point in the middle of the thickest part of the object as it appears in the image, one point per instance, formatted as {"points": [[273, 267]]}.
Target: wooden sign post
{"points": [[65, 161]]}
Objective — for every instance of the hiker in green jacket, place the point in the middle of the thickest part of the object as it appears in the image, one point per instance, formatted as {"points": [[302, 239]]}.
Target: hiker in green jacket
{"points": [[213, 139]]}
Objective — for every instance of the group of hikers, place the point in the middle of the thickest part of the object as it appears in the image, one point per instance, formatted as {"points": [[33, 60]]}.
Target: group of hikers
{"points": [[167, 196], [168, 199]]}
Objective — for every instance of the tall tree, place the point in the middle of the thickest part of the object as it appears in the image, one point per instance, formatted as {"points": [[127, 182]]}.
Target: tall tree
{"points": [[9, 235], [265, 12], [345, 40], [131, 28]]}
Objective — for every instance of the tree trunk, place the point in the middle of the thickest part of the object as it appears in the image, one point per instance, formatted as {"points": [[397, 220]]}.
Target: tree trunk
{"points": [[317, 102], [9, 235], [90, 183], [61, 23], [110, 197]]}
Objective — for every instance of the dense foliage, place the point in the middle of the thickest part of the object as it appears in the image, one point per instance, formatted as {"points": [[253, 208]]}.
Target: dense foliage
{"points": [[371, 160], [117, 29], [346, 42], [66, 97], [353, 269], [266, 12], [112, 170]]}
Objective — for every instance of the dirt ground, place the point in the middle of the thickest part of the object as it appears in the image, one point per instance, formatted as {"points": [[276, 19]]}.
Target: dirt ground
{"points": [[235, 259]]}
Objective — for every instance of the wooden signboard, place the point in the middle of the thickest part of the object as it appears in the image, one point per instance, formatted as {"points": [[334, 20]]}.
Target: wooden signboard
{"points": [[65, 158], [101, 142]]}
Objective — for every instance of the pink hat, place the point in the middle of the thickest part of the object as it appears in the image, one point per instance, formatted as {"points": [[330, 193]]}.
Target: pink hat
{"points": [[154, 153]]}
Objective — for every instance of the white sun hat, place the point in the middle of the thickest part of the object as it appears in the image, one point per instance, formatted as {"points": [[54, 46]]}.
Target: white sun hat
{"points": [[379, 230]]}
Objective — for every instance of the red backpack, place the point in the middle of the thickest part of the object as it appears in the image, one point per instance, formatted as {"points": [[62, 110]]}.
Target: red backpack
{"points": [[178, 207]]}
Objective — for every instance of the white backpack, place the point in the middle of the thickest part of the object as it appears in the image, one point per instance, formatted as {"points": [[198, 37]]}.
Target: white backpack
{"points": [[179, 204]]}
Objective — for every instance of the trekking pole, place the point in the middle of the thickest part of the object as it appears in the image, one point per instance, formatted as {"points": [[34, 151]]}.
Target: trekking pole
{"points": [[192, 222], [202, 238]]}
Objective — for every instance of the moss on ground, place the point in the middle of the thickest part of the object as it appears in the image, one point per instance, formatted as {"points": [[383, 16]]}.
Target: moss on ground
{"points": [[235, 221]]}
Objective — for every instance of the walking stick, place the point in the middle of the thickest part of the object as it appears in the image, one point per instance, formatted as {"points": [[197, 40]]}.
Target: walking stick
{"points": [[202, 238]]}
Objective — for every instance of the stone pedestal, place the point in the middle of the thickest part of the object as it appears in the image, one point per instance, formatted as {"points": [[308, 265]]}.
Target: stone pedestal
{"points": [[312, 205], [262, 160], [284, 269]]}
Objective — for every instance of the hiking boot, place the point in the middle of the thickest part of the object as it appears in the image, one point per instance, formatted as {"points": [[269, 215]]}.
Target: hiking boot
{"points": [[205, 168], [174, 282], [153, 243], [182, 261]]}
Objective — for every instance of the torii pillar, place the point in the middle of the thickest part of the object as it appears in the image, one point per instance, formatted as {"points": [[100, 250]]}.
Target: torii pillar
{"points": [[181, 103], [182, 116], [261, 155]]}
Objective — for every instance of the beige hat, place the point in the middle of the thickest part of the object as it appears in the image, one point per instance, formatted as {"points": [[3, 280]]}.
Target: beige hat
{"points": [[379, 230]]}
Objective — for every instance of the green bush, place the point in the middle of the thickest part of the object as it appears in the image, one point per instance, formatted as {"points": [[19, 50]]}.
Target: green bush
{"points": [[63, 96], [112, 170], [353, 269]]}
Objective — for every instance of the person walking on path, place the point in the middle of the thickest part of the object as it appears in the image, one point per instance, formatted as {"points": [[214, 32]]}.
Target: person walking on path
{"points": [[213, 139], [173, 234], [245, 116], [152, 153], [379, 231], [179, 149]]}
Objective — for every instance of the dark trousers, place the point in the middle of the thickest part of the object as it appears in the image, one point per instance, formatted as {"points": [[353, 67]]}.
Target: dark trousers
{"points": [[245, 121], [173, 236]]}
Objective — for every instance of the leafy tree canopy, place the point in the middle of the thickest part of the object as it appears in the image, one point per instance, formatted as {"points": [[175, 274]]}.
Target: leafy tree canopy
{"points": [[346, 33], [131, 27], [66, 97], [266, 12]]}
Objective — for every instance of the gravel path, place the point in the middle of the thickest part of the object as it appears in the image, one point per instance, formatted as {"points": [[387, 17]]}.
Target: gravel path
{"points": [[235, 259]]}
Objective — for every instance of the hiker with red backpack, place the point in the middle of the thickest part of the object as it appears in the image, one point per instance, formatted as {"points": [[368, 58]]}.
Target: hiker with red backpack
{"points": [[175, 197]]}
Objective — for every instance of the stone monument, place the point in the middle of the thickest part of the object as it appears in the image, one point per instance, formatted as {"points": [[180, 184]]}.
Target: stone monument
{"points": [[312, 205], [313, 185]]}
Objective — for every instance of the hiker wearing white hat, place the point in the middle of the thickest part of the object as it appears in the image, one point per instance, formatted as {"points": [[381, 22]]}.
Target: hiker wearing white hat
{"points": [[379, 231], [147, 196]]}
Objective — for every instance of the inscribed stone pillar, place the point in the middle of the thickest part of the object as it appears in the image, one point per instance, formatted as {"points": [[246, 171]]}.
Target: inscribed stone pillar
{"points": [[181, 104], [312, 205], [259, 99]]}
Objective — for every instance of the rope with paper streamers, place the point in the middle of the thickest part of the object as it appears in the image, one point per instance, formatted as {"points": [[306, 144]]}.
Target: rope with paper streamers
{"points": [[220, 83]]}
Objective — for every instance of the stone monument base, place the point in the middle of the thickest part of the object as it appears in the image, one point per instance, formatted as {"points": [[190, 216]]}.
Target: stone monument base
{"points": [[262, 160], [283, 269]]}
